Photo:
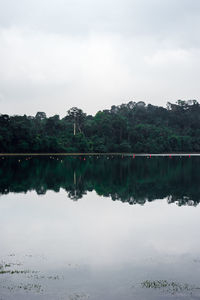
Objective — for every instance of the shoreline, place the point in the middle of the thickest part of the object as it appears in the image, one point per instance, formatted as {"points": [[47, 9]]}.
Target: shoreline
{"points": [[101, 154]]}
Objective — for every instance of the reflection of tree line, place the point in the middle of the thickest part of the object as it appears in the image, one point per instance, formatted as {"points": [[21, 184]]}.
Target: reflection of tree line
{"points": [[129, 180]]}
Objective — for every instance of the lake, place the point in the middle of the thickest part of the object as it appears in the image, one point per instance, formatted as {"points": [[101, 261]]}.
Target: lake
{"points": [[99, 228]]}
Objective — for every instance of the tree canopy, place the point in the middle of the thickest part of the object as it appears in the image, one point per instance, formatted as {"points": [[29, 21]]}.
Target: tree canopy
{"points": [[132, 127]]}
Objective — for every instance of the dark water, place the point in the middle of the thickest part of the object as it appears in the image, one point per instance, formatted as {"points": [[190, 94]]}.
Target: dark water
{"points": [[99, 228]]}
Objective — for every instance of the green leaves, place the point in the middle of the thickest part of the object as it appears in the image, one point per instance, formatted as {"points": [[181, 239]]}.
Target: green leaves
{"points": [[132, 127]]}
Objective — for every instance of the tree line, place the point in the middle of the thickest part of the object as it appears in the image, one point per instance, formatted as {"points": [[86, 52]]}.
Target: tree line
{"points": [[132, 127]]}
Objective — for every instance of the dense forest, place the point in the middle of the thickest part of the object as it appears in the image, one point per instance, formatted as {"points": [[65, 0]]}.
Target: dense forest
{"points": [[129, 180], [133, 127]]}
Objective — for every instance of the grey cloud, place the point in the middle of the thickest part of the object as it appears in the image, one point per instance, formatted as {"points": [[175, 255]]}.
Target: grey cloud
{"points": [[121, 16], [55, 54]]}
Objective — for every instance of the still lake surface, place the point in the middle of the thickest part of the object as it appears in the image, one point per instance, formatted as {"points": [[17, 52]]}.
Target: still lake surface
{"points": [[100, 228]]}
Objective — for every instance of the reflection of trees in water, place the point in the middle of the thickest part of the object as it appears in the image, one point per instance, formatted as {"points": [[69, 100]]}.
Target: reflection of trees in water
{"points": [[128, 180], [185, 200]]}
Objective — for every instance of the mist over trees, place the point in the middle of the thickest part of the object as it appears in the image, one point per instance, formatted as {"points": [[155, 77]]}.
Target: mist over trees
{"points": [[132, 127]]}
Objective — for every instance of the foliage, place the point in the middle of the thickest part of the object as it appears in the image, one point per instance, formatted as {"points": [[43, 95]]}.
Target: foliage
{"points": [[132, 127]]}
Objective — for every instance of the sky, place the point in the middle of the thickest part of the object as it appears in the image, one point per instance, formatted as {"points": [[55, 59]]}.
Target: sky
{"points": [[56, 54]]}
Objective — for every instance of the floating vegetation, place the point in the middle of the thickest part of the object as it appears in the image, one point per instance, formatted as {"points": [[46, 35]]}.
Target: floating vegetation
{"points": [[56, 277], [38, 277], [29, 287], [171, 287], [5, 268], [77, 296], [16, 271], [4, 265], [4, 271], [29, 281], [26, 287]]}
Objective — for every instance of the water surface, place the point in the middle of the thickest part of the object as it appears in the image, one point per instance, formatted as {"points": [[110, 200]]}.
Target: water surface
{"points": [[99, 228]]}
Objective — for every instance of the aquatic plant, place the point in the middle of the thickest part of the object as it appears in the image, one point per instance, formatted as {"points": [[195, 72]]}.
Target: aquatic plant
{"points": [[169, 286]]}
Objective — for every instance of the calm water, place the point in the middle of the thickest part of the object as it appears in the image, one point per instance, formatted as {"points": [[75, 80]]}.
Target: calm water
{"points": [[99, 228]]}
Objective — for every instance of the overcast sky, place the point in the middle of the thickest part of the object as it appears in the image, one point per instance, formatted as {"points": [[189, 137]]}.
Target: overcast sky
{"points": [[56, 54]]}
